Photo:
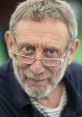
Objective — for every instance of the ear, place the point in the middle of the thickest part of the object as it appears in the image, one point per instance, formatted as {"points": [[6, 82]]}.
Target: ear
{"points": [[72, 51], [9, 43]]}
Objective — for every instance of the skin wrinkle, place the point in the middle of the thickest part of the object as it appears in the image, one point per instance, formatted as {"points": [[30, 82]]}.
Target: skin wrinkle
{"points": [[44, 22], [48, 44]]}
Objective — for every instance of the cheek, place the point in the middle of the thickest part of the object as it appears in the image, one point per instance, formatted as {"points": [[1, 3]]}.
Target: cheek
{"points": [[54, 70], [20, 71], [57, 72]]}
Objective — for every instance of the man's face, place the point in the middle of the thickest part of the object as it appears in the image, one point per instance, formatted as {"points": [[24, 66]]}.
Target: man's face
{"points": [[48, 39]]}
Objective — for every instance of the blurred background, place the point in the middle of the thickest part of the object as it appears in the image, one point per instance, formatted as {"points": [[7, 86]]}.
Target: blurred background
{"points": [[7, 7]]}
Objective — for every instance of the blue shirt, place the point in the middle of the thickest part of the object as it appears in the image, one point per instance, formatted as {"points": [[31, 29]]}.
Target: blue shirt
{"points": [[14, 102]]}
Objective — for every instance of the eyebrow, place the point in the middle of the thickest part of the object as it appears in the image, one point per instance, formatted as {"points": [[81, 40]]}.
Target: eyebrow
{"points": [[25, 44], [44, 48]]}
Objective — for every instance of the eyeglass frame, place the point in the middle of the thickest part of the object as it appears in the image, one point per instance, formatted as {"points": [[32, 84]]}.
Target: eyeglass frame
{"points": [[62, 59]]}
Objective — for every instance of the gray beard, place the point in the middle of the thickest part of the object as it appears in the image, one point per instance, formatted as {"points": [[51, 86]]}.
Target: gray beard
{"points": [[41, 92]]}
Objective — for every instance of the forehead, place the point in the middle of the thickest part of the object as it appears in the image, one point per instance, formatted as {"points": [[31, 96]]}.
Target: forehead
{"points": [[45, 32]]}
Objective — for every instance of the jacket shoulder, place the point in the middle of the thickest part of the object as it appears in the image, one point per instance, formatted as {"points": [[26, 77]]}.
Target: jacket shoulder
{"points": [[5, 69], [74, 70], [4, 80]]}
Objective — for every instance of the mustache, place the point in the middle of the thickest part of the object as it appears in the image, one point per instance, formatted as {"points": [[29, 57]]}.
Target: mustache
{"points": [[33, 76]]}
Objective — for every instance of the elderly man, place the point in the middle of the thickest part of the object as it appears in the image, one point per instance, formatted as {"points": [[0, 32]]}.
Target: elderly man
{"points": [[39, 81]]}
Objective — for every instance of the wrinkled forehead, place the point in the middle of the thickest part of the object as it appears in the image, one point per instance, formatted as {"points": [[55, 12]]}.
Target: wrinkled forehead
{"points": [[47, 30]]}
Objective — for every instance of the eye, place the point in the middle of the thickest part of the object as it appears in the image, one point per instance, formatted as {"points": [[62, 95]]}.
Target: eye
{"points": [[28, 50], [51, 53]]}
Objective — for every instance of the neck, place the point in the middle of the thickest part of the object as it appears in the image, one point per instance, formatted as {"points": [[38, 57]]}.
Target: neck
{"points": [[53, 100]]}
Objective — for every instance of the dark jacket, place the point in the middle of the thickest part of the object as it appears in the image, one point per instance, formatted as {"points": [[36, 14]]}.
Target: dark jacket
{"points": [[15, 103]]}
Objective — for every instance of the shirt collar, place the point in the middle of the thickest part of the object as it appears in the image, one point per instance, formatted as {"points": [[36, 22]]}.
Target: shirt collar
{"points": [[72, 89]]}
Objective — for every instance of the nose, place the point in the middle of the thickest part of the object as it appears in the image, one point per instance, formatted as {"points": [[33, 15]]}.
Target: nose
{"points": [[37, 67]]}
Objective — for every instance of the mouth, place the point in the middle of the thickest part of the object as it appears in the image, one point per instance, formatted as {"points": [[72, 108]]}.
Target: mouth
{"points": [[38, 82]]}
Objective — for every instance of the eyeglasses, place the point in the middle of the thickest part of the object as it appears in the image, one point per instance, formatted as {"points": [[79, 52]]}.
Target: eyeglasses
{"points": [[45, 61]]}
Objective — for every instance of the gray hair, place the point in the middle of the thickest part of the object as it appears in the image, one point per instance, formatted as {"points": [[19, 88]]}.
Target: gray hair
{"points": [[38, 9]]}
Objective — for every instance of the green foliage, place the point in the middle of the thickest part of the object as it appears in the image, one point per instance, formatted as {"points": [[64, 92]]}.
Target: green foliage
{"points": [[78, 56]]}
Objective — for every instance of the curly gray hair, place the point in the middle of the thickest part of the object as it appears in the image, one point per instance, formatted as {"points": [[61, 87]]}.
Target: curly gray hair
{"points": [[38, 9]]}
